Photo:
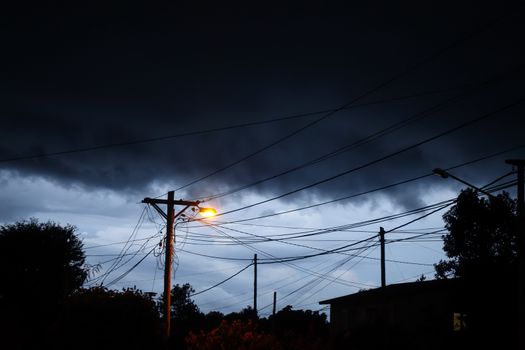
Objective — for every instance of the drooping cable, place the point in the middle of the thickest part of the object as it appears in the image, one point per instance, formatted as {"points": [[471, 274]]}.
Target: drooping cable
{"points": [[221, 282]]}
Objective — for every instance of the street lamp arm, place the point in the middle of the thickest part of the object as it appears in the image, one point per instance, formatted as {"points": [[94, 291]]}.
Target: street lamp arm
{"points": [[181, 211], [160, 211], [148, 200], [445, 174]]}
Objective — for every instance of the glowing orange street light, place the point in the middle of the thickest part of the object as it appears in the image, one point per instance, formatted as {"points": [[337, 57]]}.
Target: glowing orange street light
{"points": [[207, 212]]}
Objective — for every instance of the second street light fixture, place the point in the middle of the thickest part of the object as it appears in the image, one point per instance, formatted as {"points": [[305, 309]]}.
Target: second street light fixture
{"points": [[445, 174]]}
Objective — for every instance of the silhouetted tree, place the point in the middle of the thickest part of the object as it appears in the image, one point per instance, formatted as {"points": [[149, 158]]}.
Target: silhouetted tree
{"points": [[212, 320], [185, 314], [40, 254], [246, 314], [482, 236], [299, 329], [97, 318], [481, 244], [40, 264]]}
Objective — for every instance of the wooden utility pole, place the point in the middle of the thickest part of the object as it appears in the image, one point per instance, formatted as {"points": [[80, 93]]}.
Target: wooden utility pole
{"points": [[255, 283], [170, 217], [382, 242], [273, 311], [167, 261], [383, 289], [274, 302], [520, 165]]}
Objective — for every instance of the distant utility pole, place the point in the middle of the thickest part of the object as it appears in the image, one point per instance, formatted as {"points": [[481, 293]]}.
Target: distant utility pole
{"points": [[382, 242], [255, 283], [273, 311], [520, 165], [274, 302], [170, 220]]}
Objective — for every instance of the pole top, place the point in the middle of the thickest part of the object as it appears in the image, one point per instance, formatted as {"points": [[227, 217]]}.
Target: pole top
{"points": [[441, 173], [170, 201], [517, 162]]}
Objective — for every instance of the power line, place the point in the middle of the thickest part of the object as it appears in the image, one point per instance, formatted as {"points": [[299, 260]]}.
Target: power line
{"points": [[437, 207], [376, 88], [336, 278], [422, 216], [324, 275], [124, 250], [413, 146], [225, 128], [496, 188], [318, 278], [266, 239], [348, 227], [493, 189], [396, 261], [156, 139], [117, 243], [269, 255], [264, 253], [361, 142], [221, 282], [429, 174], [130, 269]]}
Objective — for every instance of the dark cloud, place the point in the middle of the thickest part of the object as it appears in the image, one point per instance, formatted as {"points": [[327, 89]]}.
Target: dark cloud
{"points": [[81, 77]]}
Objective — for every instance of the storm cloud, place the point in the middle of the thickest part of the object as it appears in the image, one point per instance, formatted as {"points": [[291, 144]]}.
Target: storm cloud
{"points": [[286, 106], [85, 77]]}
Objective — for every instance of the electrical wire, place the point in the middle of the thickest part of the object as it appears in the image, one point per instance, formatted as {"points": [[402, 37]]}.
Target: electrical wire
{"points": [[312, 281], [345, 248], [228, 127], [403, 182], [361, 142], [436, 206], [130, 269], [390, 242], [117, 243], [332, 229], [125, 248], [376, 88], [362, 257], [221, 282], [493, 189], [315, 248], [380, 159]]}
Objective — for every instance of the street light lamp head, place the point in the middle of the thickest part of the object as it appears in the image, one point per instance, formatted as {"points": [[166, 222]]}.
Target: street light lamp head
{"points": [[207, 212], [440, 172]]}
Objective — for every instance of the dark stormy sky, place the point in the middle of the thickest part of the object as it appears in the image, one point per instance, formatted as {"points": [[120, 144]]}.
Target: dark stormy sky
{"points": [[103, 105]]}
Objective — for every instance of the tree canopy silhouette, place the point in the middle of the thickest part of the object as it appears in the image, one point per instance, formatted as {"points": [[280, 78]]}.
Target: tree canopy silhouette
{"points": [[482, 236], [40, 265], [182, 306], [101, 318], [185, 314], [299, 329], [482, 244], [34, 255]]}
